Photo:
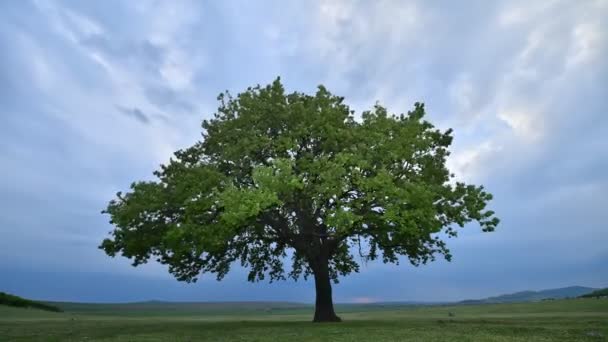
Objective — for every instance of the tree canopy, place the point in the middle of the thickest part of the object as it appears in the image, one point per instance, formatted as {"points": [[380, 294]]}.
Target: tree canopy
{"points": [[280, 176]]}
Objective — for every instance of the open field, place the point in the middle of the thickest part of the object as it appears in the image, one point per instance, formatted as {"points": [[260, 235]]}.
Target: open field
{"points": [[563, 320]]}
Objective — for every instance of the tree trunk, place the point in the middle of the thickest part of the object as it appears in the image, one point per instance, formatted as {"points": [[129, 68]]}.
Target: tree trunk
{"points": [[324, 305]]}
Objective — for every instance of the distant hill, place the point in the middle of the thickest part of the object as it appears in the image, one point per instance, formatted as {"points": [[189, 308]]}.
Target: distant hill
{"points": [[156, 307], [596, 293], [244, 308], [16, 301], [534, 296]]}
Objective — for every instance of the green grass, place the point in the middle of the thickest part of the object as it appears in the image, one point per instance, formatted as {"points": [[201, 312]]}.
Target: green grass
{"points": [[560, 320]]}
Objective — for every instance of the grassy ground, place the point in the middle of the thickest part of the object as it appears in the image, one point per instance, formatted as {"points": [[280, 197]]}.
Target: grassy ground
{"points": [[564, 320]]}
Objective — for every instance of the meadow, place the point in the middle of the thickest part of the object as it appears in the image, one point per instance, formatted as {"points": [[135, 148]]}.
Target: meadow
{"points": [[559, 320]]}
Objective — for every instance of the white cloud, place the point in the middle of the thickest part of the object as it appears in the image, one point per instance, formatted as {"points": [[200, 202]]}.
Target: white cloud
{"points": [[346, 34], [40, 71], [57, 67], [588, 39], [85, 26], [71, 25], [526, 124], [168, 25], [522, 12], [176, 70], [462, 94], [467, 164]]}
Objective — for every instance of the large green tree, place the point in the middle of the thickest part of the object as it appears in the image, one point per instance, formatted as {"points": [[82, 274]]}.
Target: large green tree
{"points": [[282, 176]]}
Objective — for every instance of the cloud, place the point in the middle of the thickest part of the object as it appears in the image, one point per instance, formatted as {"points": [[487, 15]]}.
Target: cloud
{"points": [[521, 83], [59, 116], [135, 113]]}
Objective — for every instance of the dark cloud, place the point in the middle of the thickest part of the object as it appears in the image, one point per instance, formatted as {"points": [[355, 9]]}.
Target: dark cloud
{"points": [[135, 113], [140, 54], [168, 99], [147, 58]]}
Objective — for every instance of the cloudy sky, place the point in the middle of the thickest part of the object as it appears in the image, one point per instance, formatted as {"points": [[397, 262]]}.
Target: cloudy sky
{"points": [[96, 94]]}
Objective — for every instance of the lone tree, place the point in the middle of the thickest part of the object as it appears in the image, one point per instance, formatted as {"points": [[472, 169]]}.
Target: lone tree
{"points": [[279, 176]]}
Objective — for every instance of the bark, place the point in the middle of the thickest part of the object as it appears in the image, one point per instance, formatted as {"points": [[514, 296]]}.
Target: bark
{"points": [[324, 305]]}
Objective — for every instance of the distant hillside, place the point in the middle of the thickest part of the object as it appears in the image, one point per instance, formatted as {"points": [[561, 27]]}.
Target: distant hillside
{"points": [[597, 293], [154, 307], [16, 301], [161, 308], [534, 296]]}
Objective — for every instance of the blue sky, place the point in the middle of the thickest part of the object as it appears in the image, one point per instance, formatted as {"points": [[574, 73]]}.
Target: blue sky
{"points": [[96, 94]]}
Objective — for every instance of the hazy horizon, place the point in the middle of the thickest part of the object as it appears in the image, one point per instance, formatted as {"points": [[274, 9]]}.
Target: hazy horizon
{"points": [[309, 301]]}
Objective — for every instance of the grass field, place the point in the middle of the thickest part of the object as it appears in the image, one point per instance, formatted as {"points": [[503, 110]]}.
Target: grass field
{"points": [[563, 320]]}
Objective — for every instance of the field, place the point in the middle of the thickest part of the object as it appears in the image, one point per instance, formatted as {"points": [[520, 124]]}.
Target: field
{"points": [[560, 320]]}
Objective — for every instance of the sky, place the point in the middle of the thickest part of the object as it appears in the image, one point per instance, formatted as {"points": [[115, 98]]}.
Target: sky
{"points": [[97, 94]]}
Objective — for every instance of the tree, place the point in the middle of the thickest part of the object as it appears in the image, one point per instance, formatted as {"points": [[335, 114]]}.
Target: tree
{"points": [[293, 176]]}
